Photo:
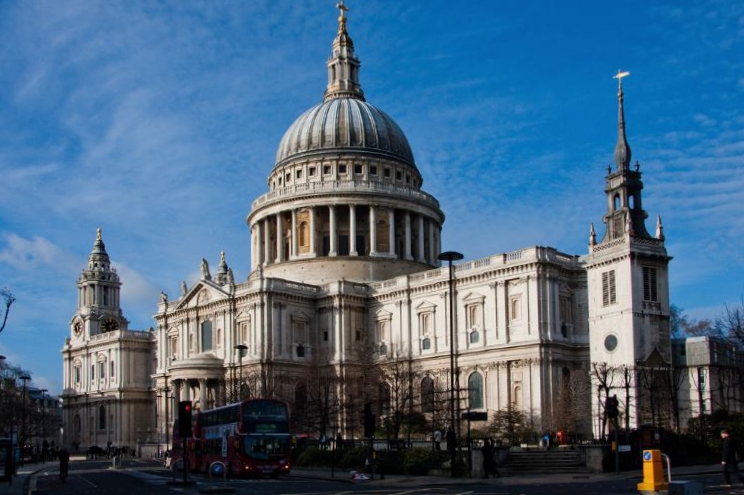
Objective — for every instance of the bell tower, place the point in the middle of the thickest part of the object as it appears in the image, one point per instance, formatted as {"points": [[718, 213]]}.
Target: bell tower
{"points": [[98, 308], [628, 286]]}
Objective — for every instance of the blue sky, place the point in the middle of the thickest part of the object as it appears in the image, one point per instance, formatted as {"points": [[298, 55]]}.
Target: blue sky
{"points": [[158, 121]]}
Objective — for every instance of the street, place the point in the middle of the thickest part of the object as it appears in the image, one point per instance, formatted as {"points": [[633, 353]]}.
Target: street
{"points": [[147, 477]]}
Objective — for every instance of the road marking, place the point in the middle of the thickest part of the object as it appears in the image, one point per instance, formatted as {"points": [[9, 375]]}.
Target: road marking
{"points": [[87, 481]]}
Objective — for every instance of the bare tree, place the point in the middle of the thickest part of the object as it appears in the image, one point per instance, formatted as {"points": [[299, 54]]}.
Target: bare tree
{"points": [[399, 374], [604, 375], [9, 299], [730, 324]]}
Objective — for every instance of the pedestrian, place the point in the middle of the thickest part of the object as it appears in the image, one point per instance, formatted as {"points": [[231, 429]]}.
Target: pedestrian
{"points": [[728, 458], [339, 441], [437, 439], [64, 463], [487, 452], [450, 437]]}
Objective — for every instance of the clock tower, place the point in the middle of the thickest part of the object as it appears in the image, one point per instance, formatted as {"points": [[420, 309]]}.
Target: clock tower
{"points": [[106, 394], [98, 308]]}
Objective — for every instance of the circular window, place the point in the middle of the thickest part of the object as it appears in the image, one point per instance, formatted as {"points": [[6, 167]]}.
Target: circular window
{"points": [[610, 342]]}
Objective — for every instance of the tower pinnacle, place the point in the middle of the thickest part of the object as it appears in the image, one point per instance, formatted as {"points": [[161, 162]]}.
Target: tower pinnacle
{"points": [[343, 66], [622, 149]]}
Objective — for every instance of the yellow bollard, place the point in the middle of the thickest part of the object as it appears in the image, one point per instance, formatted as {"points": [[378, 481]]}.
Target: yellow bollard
{"points": [[653, 472]]}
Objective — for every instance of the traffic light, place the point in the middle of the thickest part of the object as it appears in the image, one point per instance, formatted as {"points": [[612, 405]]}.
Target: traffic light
{"points": [[369, 421], [184, 418]]}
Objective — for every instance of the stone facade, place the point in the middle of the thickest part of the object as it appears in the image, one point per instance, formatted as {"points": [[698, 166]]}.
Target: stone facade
{"points": [[106, 396], [346, 278]]}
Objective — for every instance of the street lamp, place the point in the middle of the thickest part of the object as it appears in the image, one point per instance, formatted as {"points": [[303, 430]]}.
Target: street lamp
{"points": [[22, 437], [240, 348], [166, 393], [451, 256]]}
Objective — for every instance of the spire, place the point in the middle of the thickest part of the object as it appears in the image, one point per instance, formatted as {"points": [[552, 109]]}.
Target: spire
{"points": [[343, 66], [622, 149], [659, 229], [99, 258], [592, 235], [99, 247]]}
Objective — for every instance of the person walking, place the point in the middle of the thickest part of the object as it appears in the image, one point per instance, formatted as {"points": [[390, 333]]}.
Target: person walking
{"points": [[64, 463], [489, 464], [437, 439], [728, 458]]}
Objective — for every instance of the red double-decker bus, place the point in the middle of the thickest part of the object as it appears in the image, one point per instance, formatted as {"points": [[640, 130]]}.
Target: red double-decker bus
{"points": [[251, 437]]}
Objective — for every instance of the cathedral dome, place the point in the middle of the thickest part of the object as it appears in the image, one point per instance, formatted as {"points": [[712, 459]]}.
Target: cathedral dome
{"points": [[344, 124]]}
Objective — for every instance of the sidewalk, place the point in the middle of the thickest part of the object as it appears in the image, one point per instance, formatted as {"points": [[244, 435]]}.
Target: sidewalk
{"points": [[23, 478], [344, 476]]}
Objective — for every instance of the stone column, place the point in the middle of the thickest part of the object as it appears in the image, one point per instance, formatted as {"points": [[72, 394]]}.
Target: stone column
{"points": [[407, 248], [279, 237], [372, 231], [293, 254], [312, 230], [352, 231], [391, 221], [266, 240], [203, 393], [333, 233], [421, 258]]}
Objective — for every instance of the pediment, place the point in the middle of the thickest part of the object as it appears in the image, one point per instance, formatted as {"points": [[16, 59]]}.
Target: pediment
{"points": [[426, 307], [474, 298], [382, 315], [202, 293]]}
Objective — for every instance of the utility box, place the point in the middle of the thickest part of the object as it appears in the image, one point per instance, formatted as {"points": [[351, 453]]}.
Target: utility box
{"points": [[685, 488]]}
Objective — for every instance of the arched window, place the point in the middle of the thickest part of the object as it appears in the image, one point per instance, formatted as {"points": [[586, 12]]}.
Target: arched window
{"points": [[426, 344], [475, 391], [517, 398], [616, 202], [427, 395], [102, 417], [303, 236], [300, 351], [383, 350], [474, 337]]}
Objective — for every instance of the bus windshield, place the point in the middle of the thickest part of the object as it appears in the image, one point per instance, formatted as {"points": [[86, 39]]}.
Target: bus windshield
{"points": [[266, 447], [265, 416]]}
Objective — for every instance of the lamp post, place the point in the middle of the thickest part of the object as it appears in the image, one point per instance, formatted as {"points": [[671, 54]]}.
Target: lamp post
{"points": [[22, 437], [240, 348], [166, 393], [451, 256], [43, 419]]}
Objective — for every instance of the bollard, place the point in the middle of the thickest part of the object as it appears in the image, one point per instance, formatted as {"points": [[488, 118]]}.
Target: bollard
{"points": [[653, 473]]}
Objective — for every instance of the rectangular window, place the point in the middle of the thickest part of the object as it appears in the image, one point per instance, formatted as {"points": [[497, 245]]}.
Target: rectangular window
{"points": [[473, 316], [357, 169], [206, 336], [112, 374], [373, 170], [102, 370], [311, 171], [77, 374], [92, 372], [398, 176], [342, 169], [326, 170], [388, 173], [609, 294], [650, 292]]}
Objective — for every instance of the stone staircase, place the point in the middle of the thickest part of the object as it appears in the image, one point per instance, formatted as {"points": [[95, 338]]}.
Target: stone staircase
{"points": [[543, 462]]}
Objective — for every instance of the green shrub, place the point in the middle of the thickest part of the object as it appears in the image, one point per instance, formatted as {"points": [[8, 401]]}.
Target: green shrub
{"points": [[419, 461]]}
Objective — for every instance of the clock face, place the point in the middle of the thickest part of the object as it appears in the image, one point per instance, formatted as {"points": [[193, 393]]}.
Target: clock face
{"points": [[109, 325], [77, 328]]}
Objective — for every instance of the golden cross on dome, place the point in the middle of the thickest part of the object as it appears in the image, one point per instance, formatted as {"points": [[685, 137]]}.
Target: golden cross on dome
{"points": [[98, 234], [342, 16]]}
